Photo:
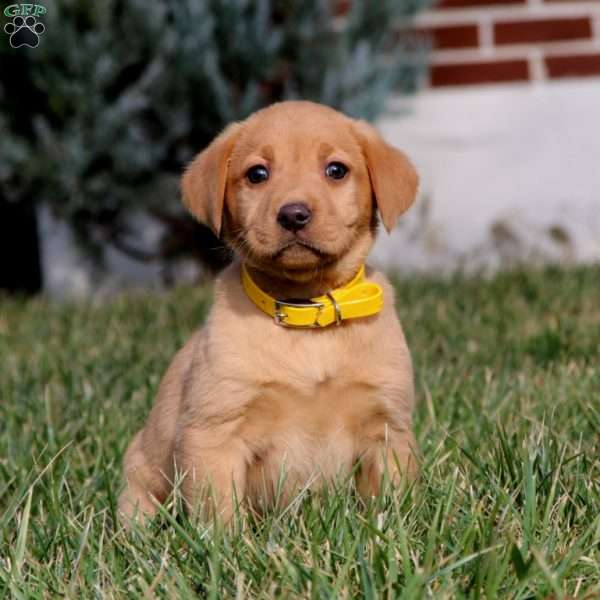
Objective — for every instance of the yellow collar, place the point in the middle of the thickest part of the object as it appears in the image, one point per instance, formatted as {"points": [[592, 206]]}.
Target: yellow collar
{"points": [[358, 298]]}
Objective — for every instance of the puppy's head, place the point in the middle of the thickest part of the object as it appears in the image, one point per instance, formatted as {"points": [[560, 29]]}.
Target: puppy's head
{"points": [[295, 187]]}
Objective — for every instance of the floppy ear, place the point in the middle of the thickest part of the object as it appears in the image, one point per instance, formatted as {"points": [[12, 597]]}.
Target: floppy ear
{"points": [[204, 181], [393, 178]]}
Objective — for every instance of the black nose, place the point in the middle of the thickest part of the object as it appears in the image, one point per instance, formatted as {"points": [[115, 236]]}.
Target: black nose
{"points": [[294, 216]]}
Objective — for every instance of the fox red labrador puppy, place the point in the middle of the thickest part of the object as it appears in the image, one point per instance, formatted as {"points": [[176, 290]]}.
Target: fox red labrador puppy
{"points": [[301, 372]]}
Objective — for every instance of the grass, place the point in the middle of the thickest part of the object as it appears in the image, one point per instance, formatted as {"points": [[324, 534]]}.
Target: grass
{"points": [[508, 421]]}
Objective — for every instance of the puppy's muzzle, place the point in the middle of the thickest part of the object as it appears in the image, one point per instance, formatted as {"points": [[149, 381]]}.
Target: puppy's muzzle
{"points": [[294, 216]]}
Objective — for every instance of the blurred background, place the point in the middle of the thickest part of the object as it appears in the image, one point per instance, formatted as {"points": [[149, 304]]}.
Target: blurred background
{"points": [[102, 104]]}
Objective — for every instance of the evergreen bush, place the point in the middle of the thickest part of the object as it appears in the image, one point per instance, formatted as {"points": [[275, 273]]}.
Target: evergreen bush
{"points": [[99, 119]]}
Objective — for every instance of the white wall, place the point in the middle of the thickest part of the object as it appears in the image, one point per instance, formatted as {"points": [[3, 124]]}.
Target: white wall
{"points": [[515, 159], [68, 272]]}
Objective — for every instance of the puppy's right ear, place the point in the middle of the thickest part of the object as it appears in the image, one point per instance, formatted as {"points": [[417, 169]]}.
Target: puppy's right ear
{"points": [[205, 179]]}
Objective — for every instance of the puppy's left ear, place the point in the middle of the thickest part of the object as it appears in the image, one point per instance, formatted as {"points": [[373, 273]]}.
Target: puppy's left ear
{"points": [[204, 182], [394, 180]]}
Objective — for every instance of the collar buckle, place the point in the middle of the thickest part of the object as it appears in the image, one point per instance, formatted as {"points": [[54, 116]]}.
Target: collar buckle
{"points": [[280, 315], [336, 308]]}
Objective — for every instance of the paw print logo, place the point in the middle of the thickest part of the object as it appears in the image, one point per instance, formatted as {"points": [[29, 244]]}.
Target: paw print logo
{"points": [[24, 31]]}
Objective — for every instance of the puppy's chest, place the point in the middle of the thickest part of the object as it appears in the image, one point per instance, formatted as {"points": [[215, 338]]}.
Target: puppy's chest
{"points": [[319, 381], [308, 362], [313, 404], [307, 397]]}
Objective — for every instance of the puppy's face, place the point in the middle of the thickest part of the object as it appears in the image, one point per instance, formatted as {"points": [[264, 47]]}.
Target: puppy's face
{"points": [[298, 189], [293, 187]]}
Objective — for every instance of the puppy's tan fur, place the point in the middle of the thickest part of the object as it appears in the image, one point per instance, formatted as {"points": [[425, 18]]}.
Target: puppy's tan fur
{"points": [[245, 400]]}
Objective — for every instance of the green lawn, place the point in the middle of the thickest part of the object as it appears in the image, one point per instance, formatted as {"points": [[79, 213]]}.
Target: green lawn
{"points": [[508, 421]]}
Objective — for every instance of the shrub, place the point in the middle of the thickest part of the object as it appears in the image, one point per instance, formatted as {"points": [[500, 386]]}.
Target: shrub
{"points": [[99, 119]]}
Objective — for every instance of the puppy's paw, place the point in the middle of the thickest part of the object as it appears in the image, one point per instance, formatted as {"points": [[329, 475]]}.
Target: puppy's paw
{"points": [[134, 508]]}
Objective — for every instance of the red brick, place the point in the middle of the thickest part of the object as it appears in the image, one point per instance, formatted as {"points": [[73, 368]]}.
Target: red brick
{"points": [[573, 65], [469, 73], [453, 36], [341, 8], [542, 30], [475, 3]]}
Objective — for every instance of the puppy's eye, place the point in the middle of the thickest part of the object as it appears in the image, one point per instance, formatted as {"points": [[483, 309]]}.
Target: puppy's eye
{"points": [[336, 170], [257, 174]]}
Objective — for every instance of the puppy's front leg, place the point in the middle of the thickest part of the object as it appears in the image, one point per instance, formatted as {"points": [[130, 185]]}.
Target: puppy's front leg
{"points": [[393, 457], [214, 471]]}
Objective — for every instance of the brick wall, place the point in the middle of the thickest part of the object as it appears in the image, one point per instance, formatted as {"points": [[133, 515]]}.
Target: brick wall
{"points": [[492, 41]]}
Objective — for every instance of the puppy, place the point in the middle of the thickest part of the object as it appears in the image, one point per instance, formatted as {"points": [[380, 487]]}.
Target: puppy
{"points": [[301, 372]]}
